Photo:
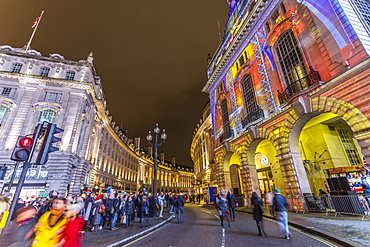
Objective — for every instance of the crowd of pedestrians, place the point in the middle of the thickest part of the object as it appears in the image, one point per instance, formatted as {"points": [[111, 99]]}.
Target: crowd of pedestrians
{"points": [[59, 221]]}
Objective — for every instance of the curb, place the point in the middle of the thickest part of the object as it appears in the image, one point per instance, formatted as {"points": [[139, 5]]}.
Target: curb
{"points": [[143, 233], [321, 233]]}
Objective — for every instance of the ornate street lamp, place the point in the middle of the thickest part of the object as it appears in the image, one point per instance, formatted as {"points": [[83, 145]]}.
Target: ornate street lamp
{"points": [[155, 145]]}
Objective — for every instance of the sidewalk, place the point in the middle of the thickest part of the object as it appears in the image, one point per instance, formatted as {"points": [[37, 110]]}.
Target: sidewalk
{"points": [[344, 230]]}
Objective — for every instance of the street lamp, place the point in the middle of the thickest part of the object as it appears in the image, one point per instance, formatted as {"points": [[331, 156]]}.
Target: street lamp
{"points": [[155, 145]]}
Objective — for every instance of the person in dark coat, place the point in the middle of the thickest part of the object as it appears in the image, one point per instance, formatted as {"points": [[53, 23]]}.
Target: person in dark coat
{"points": [[279, 208], [129, 210], [179, 204], [19, 231], [144, 208], [97, 216], [258, 213], [231, 203]]}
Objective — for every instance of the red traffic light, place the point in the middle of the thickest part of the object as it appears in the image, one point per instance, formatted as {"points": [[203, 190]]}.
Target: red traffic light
{"points": [[26, 142]]}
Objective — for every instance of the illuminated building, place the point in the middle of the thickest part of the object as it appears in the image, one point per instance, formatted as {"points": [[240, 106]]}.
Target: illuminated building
{"points": [[94, 152], [201, 152], [289, 94]]}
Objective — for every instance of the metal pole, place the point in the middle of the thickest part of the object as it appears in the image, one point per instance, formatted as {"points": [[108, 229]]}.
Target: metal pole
{"points": [[155, 174], [26, 165], [13, 176]]}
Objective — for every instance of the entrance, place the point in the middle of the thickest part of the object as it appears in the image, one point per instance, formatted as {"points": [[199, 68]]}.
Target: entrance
{"points": [[265, 180]]}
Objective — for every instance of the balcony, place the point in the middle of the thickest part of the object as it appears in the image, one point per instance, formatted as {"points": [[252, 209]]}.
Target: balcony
{"points": [[253, 116], [297, 86]]}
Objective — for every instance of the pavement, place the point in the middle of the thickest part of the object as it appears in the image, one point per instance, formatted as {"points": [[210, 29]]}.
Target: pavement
{"points": [[345, 230]]}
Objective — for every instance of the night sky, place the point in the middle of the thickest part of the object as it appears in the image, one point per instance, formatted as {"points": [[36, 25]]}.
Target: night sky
{"points": [[150, 54]]}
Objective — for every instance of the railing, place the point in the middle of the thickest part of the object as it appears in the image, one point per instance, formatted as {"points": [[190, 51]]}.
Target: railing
{"points": [[338, 204], [299, 85], [253, 116]]}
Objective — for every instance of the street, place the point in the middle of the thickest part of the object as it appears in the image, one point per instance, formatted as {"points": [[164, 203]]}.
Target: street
{"points": [[202, 228]]}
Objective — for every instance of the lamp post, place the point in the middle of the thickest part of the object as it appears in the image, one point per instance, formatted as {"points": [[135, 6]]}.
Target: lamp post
{"points": [[155, 145]]}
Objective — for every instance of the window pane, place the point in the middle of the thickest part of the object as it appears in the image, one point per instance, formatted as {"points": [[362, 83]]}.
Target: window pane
{"points": [[3, 110], [16, 67], [47, 115], [70, 75], [44, 71]]}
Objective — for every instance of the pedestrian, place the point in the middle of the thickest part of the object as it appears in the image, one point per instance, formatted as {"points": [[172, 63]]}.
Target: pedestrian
{"points": [[221, 203], [179, 204], [113, 210], [50, 225], [160, 203], [72, 233], [258, 213], [18, 232], [128, 211], [231, 203], [170, 203], [144, 208], [98, 209], [279, 207], [4, 206]]}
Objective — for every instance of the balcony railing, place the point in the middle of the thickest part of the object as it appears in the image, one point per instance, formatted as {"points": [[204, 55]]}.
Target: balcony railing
{"points": [[253, 116], [299, 85]]}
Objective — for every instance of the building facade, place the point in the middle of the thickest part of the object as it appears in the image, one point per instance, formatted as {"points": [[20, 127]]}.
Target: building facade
{"points": [[94, 153], [201, 153], [289, 94]]}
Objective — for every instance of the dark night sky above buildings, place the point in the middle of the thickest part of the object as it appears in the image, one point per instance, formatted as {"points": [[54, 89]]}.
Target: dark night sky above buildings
{"points": [[150, 54]]}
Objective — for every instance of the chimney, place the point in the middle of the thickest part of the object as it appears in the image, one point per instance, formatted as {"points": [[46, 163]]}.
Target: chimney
{"points": [[162, 157], [137, 143], [173, 160]]}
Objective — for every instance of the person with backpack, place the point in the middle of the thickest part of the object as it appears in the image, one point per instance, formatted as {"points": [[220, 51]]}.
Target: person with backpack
{"points": [[258, 213]]}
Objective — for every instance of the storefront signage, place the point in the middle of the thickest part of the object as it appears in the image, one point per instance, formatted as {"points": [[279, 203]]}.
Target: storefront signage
{"points": [[346, 169]]}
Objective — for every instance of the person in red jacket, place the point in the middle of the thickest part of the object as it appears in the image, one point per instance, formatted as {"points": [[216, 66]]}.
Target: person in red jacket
{"points": [[71, 236]]}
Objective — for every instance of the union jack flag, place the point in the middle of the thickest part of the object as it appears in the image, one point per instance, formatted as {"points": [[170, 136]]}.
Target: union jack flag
{"points": [[36, 21]]}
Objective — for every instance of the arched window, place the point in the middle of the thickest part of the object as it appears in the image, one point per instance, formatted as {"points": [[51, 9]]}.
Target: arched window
{"points": [[290, 57], [47, 115], [3, 110], [253, 111], [16, 68]]}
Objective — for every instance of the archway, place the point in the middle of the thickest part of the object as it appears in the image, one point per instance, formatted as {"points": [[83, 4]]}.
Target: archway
{"points": [[232, 174]]}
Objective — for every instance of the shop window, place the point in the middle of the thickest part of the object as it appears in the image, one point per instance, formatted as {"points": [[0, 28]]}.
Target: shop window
{"points": [[47, 115], [70, 75], [290, 57], [16, 68], [44, 71]]}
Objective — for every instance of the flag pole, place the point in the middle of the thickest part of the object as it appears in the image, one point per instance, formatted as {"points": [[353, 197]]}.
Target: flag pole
{"points": [[34, 31]]}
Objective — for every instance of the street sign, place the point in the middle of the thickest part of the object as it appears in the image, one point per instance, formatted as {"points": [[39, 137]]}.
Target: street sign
{"points": [[44, 193]]}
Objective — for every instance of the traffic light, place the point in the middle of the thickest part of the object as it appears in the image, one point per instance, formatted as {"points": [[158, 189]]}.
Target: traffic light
{"points": [[22, 148], [47, 144]]}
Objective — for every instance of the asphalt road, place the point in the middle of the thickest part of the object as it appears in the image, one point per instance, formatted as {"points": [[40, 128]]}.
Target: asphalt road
{"points": [[202, 228]]}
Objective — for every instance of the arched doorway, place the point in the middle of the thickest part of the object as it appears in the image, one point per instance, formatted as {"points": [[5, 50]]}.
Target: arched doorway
{"points": [[232, 174], [325, 143]]}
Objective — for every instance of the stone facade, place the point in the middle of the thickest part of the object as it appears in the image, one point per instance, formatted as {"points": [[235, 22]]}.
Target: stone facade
{"points": [[288, 90], [94, 153]]}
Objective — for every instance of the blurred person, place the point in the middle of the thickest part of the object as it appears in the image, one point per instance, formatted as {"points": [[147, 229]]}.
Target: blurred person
{"points": [[144, 208], [113, 210], [4, 205], [279, 207], [160, 203], [97, 211], [258, 213], [51, 224], [129, 210], [179, 204], [46, 206], [231, 203], [221, 204], [18, 232], [20, 203], [170, 203], [73, 231]]}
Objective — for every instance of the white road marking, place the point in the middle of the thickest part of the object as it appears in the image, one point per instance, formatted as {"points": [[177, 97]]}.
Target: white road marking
{"points": [[223, 238]]}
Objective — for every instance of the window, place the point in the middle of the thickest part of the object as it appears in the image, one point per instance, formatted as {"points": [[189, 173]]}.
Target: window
{"points": [[267, 25], [3, 110], [283, 9], [44, 71], [53, 97], [7, 91], [47, 115], [241, 60], [363, 10], [70, 75], [290, 57], [275, 17], [225, 119], [16, 68], [349, 147]]}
